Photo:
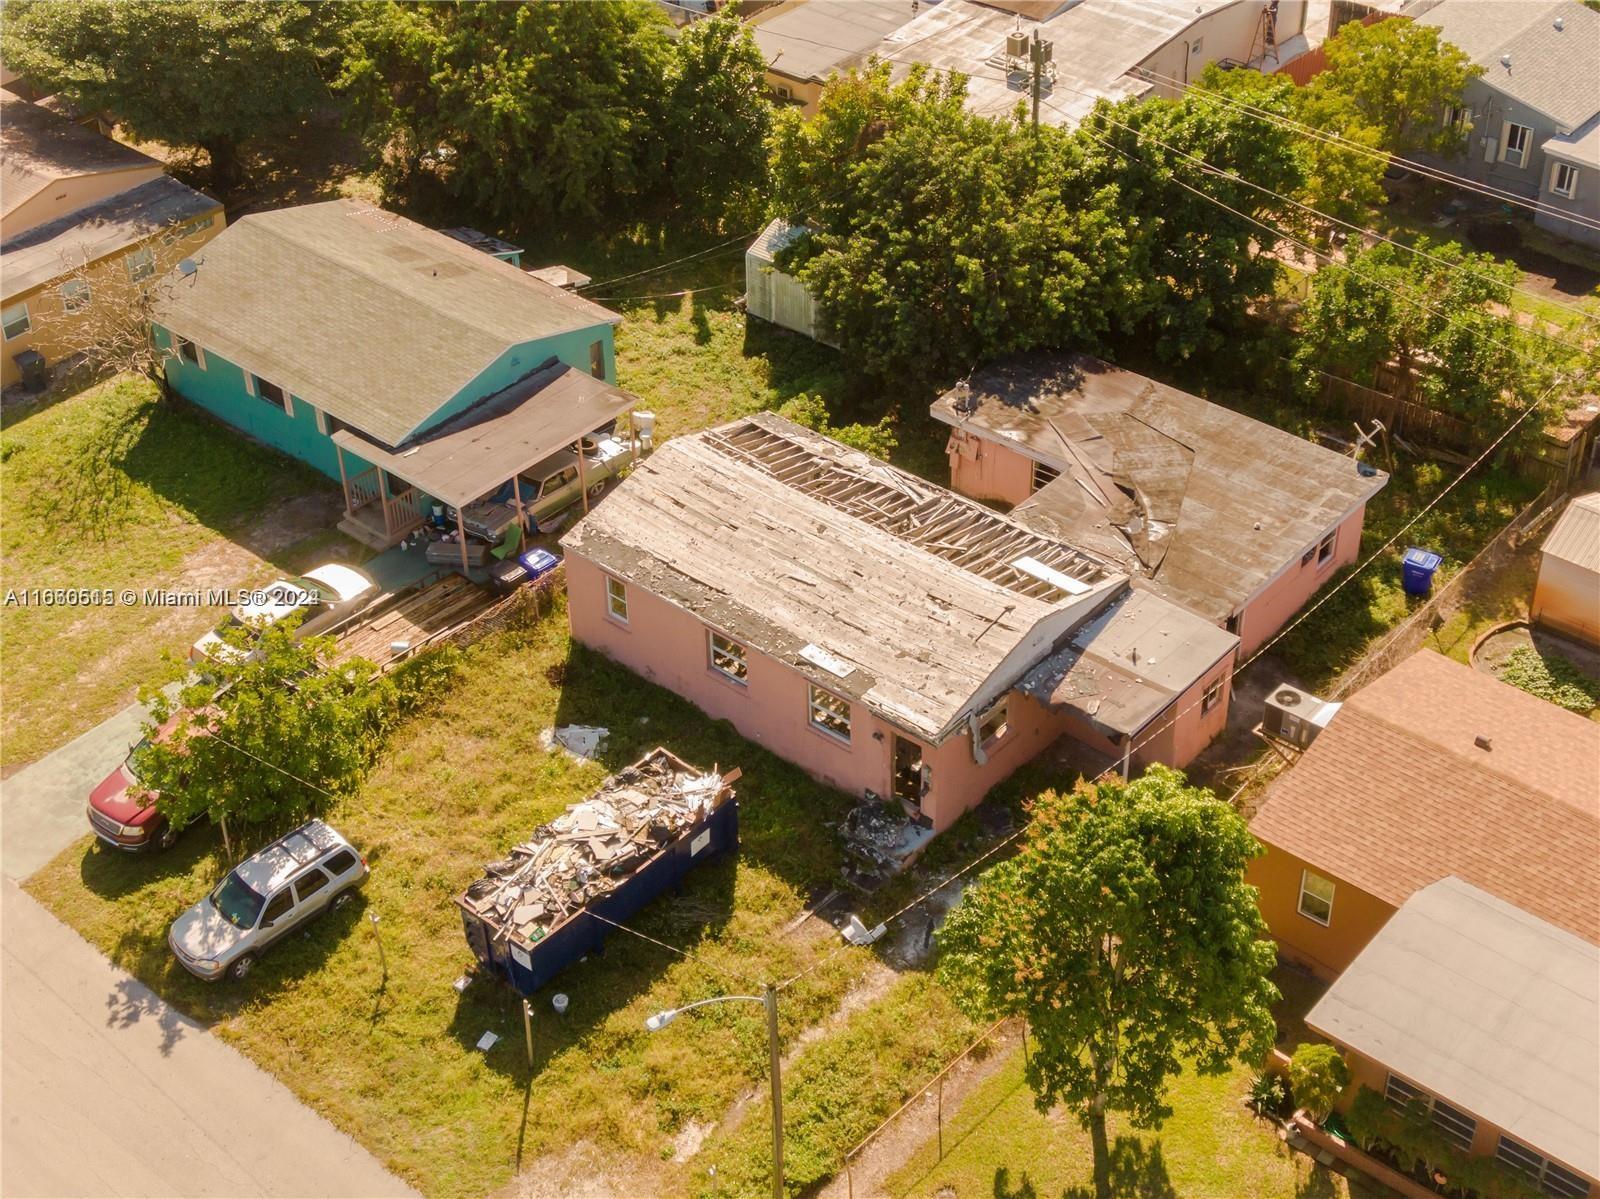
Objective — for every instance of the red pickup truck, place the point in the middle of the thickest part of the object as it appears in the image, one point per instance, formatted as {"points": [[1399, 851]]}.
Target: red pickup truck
{"points": [[122, 813]]}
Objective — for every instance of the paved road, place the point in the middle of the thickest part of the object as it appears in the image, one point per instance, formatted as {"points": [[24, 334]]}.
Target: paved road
{"points": [[41, 807], [104, 1089]]}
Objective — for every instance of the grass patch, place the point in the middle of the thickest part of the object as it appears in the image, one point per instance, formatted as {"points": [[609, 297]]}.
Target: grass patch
{"points": [[1551, 677], [393, 1061], [1212, 1148], [840, 1089], [1338, 633], [111, 488]]}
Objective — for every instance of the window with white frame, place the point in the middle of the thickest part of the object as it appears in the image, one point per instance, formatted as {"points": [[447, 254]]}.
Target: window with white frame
{"points": [[271, 393], [1044, 474], [617, 599], [728, 659], [1399, 1092], [75, 295], [1516, 148], [1325, 548], [141, 263], [14, 321], [1457, 117], [1212, 697], [1564, 179], [993, 724], [829, 713], [1316, 897], [189, 352]]}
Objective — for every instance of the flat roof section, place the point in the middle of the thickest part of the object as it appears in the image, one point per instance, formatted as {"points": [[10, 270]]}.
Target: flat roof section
{"points": [[1486, 1007]]}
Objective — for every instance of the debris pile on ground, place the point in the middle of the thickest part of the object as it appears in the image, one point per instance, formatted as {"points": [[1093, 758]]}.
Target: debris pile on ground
{"points": [[580, 740], [882, 839], [592, 847]]}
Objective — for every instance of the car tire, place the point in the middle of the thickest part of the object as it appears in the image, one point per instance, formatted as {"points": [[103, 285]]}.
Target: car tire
{"points": [[239, 969], [341, 900], [597, 491], [168, 837]]}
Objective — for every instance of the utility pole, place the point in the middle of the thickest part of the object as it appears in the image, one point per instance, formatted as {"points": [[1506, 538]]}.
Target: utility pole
{"points": [[770, 997], [1036, 69]]}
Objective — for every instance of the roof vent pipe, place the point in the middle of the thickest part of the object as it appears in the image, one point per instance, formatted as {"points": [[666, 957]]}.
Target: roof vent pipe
{"points": [[1505, 61], [1482, 742], [1561, 23]]}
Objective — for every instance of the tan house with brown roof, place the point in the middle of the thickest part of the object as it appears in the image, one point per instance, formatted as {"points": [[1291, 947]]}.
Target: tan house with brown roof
{"points": [[1434, 770], [85, 224]]}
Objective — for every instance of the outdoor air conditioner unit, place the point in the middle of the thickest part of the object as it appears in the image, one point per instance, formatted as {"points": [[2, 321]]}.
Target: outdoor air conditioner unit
{"points": [[1016, 44], [1296, 716]]}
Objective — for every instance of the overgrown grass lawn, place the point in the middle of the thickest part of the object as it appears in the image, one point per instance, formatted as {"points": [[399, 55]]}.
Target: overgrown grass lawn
{"points": [[394, 1062], [999, 1145], [109, 488]]}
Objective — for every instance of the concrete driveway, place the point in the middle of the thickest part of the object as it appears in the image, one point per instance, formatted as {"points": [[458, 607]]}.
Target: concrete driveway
{"points": [[104, 1089]]}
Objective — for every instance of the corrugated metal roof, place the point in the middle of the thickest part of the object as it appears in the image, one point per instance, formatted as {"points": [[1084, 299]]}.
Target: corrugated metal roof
{"points": [[1576, 536], [1486, 1007], [67, 243], [372, 318]]}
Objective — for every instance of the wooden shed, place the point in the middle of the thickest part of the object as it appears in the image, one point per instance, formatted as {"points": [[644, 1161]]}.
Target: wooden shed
{"points": [[1566, 598]]}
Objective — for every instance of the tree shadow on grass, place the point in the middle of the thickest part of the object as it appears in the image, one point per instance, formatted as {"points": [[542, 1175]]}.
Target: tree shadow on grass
{"points": [[1138, 1171]]}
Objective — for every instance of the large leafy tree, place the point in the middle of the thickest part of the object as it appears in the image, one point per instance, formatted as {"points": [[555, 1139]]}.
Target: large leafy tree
{"points": [[524, 111], [1199, 240], [206, 73], [938, 239], [1437, 310], [716, 118], [268, 734], [1396, 79], [1124, 932]]}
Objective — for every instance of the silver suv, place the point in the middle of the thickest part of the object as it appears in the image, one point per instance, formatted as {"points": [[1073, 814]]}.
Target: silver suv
{"points": [[299, 876]]}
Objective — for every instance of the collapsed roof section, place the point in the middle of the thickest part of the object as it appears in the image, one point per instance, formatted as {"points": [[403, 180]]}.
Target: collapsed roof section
{"points": [[922, 605], [1205, 503]]}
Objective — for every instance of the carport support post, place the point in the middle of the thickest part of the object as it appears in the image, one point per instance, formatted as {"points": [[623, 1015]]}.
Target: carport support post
{"points": [[461, 536], [527, 1029], [583, 478]]}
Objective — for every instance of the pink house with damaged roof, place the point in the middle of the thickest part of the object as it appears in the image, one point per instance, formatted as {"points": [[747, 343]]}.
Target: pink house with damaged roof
{"points": [[891, 638], [1237, 521]]}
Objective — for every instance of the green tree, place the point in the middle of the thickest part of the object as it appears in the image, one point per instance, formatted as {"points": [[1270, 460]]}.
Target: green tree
{"points": [[938, 238], [204, 73], [271, 731], [716, 118], [1395, 78], [1197, 256], [1124, 933], [877, 439], [520, 110], [1317, 1074], [1438, 314]]}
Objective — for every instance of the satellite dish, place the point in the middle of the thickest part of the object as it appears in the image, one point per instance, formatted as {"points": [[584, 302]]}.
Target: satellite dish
{"points": [[188, 267]]}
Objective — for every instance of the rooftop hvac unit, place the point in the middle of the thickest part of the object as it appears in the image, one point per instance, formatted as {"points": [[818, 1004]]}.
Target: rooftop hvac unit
{"points": [[1296, 716], [1016, 44]]}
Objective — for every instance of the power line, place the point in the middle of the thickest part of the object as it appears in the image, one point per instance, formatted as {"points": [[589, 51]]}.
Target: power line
{"points": [[683, 953], [1434, 173], [221, 740], [719, 247]]}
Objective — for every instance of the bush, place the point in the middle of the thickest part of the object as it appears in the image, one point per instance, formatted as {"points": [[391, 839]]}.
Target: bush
{"points": [[1552, 678], [809, 410], [1407, 1138], [1268, 1095], [1316, 1076]]}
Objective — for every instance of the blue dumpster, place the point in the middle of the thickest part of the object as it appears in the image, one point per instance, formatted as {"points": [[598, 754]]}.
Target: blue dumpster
{"points": [[1416, 570]]}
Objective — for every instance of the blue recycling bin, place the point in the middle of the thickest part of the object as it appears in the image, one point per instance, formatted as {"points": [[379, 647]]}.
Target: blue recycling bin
{"points": [[1416, 570]]}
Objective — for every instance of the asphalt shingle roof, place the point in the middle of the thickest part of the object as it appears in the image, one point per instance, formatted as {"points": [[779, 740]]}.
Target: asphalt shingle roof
{"points": [[372, 318], [1396, 794], [1552, 69]]}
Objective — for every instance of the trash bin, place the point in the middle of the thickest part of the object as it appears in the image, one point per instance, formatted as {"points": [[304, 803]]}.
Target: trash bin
{"points": [[1416, 570]]}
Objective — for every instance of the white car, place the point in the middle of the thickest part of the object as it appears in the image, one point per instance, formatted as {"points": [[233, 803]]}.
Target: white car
{"points": [[324, 596]]}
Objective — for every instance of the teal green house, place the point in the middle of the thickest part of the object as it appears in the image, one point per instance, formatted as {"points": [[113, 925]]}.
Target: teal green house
{"points": [[297, 324]]}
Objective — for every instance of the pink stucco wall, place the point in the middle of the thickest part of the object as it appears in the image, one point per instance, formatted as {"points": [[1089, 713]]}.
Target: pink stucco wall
{"points": [[1277, 602], [989, 470], [1180, 733], [668, 645]]}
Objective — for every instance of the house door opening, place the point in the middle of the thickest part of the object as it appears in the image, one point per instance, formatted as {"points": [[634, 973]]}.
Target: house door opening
{"points": [[907, 780]]}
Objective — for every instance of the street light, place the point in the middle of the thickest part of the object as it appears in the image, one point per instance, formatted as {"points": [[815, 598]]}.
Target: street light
{"points": [[768, 999]]}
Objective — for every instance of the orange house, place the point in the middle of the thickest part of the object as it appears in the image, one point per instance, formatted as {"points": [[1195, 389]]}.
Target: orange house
{"points": [[886, 635], [1233, 519], [1434, 770]]}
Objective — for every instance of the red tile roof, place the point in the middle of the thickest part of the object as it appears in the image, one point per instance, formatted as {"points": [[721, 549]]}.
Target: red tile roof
{"points": [[1395, 794]]}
